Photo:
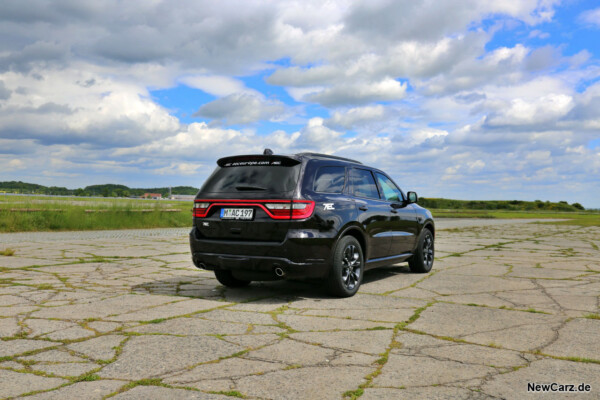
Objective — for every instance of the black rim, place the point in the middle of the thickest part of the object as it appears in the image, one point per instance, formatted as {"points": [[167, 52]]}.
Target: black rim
{"points": [[428, 251], [351, 267]]}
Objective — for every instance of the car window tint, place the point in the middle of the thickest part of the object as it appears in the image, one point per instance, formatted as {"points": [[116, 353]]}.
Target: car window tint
{"points": [[268, 179], [364, 184], [330, 180], [390, 191]]}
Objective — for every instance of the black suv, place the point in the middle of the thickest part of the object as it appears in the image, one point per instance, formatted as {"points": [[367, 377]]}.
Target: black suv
{"points": [[268, 217]]}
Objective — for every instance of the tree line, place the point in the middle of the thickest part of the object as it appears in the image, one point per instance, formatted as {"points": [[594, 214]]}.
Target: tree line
{"points": [[509, 205], [106, 190]]}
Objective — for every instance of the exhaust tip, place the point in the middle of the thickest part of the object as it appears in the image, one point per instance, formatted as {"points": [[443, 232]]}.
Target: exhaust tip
{"points": [[279, 272]]}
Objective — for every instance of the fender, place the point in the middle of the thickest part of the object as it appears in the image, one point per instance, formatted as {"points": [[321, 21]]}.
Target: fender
{"points": [[355, 227]]}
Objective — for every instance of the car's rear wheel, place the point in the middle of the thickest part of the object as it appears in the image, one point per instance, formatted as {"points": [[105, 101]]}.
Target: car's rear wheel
{"points": [[226, 278], [422, 260], [347, 268]]}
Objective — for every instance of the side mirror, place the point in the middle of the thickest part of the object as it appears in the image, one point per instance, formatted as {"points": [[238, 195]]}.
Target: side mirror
{"points": [[412, 197]]}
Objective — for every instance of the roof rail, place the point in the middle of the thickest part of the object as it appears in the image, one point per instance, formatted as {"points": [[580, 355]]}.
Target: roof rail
{"points": [[328, 156]]}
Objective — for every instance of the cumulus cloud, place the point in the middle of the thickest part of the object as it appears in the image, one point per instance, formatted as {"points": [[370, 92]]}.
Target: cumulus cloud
{"points": [[355, 117], [591, 17], [425, 88], [519, 112], [4, 92], [214, 84], [241, 108], [359, 93], [56, 108]]}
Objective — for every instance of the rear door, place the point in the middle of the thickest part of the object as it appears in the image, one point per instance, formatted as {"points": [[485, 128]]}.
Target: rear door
{"points": [[404, 225], [244, 197], [373, 213]]}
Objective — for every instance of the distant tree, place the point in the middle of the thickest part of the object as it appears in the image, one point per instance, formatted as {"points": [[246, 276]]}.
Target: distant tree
{"points": [[578, 206]]}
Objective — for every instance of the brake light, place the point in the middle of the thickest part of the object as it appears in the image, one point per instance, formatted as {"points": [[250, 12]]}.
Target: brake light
{"points": [[276, 209], [302, 209], [201, 209], [279, 209]]}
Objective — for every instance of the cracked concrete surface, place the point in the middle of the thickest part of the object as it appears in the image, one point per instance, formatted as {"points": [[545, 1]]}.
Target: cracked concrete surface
{"points": [[125, 314]]}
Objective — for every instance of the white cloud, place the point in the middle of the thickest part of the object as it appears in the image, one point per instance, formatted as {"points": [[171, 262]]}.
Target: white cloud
{"points": [[76, 106], [520, 112], [359, 93], [358, 116], [415, 81], [214, 84], [179, 168], [536, 33], [14, 164], [241, 108], [591, 17]]}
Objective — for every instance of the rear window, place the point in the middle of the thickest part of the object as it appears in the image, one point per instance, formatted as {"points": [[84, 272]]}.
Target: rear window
{"points": [[330, 180], [253, 178]]}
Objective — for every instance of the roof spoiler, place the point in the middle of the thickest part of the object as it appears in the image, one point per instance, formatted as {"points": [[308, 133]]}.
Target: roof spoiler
{"points": [[257, 160]]}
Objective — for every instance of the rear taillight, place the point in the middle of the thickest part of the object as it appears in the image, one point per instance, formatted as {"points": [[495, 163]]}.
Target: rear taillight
{"points": [[201, 209], [276, 209], [302, 209], [279, 210]]}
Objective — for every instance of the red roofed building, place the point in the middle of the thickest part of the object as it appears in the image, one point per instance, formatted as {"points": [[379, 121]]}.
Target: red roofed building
{"points": [[155, 196]]}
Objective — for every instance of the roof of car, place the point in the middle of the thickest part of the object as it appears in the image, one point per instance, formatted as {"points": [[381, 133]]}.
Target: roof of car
{"points": [[327, 156]]}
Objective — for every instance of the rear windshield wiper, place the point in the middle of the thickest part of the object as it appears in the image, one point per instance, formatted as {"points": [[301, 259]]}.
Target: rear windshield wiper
{"points": [[250, 188]]}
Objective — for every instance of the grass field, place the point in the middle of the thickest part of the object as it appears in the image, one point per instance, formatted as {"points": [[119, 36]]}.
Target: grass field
{"points": [[45, 213], [581, 218]]}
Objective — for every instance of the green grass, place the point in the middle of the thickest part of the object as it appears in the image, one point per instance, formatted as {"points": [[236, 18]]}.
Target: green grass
{"points": [[45, 213], [87, 378], [7, 252], [581, 218], [45, 286], [144, 382], [230, 393], [42, 213]]}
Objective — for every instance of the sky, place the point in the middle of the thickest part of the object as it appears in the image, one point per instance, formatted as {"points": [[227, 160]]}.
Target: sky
{"points": [[463, 99]]}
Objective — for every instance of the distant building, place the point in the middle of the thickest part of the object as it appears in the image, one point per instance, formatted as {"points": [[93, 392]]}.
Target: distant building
{"points": [[182, 197], [154, 196]]}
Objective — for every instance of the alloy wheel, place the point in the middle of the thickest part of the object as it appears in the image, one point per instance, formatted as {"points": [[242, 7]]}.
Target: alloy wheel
{"points": [[428, 251], [351, 267]]}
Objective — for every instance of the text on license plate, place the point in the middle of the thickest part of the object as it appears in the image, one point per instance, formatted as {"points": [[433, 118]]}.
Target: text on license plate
{"points": [[237, 213]]}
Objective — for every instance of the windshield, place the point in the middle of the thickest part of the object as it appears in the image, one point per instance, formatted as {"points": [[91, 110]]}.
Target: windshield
{"points": [[253, 178]]}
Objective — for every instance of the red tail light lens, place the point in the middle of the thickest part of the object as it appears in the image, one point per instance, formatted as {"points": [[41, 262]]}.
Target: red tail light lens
{"points": [[201, 209], [276, 209], [279, 210], [302, 209]]}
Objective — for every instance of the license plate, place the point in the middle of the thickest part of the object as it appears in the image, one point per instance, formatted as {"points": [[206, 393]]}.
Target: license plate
{"points": [[237, 213]]}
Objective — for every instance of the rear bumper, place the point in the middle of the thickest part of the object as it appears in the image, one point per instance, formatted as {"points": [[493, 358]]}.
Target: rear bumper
{"points": [[299, 256]]}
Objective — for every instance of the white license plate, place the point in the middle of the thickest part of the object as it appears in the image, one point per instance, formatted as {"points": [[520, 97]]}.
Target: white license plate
{"points": [[237, 213]]}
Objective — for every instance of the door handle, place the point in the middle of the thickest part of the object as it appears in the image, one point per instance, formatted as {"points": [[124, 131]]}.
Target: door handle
{"points": [[363, 208], [394, 211]]}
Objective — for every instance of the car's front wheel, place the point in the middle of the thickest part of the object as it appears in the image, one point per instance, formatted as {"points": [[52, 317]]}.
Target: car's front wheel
{"points": [[422, 260], [226, 278], [347, 268]]}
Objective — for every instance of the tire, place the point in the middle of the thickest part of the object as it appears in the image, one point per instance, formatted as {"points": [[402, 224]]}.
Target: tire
{"points": [[225, 278], [422, 261], [347, 267]]}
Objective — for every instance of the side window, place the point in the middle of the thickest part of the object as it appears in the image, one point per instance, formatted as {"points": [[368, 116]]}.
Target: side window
{"points": [[364, 184], [330, 180], [390, 191]]}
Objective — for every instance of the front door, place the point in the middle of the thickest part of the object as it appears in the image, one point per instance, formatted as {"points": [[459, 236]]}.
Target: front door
{"points": [[373, 213], [404, 225]]}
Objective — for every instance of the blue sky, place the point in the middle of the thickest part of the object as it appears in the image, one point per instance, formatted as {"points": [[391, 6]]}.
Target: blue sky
{"points": [[457, 99]]}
